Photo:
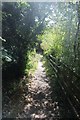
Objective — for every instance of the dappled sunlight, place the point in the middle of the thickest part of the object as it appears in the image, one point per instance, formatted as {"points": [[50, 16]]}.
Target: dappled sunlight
{"points": [[38, 102], [40, 60]]}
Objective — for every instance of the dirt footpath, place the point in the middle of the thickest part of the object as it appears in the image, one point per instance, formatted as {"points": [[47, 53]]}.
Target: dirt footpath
{"points": [[35, 102], [39, 104]]}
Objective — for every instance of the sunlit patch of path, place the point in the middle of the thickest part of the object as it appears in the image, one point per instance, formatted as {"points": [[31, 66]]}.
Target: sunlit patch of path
{"points": [[38, 103]]}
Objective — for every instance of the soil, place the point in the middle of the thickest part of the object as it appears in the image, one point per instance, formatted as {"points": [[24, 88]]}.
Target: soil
{"points": [[34, 101]]}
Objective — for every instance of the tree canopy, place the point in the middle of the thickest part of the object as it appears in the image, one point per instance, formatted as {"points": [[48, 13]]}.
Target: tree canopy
{"points": [[51, 27]]}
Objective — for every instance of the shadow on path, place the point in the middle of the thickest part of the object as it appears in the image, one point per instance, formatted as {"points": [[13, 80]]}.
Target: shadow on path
{"points": [[39, 99], [38, 102]]}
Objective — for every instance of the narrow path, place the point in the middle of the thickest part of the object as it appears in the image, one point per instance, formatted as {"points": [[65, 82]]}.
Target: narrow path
{"points": [[38, 100], [35, 101], [39, 104]]}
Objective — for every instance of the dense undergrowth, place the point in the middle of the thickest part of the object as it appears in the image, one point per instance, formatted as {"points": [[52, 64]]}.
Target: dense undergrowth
{"points": [[57, 94], [32, 63], [30, 68]]}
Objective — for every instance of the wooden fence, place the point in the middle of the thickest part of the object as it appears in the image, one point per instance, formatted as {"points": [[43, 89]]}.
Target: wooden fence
{"points": [[69, 82]]}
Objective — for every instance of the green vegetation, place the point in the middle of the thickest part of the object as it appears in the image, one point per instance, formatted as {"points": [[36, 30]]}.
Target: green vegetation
{"points": [[32, 62], [61, 38], [21, 23], [30, 29]]}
